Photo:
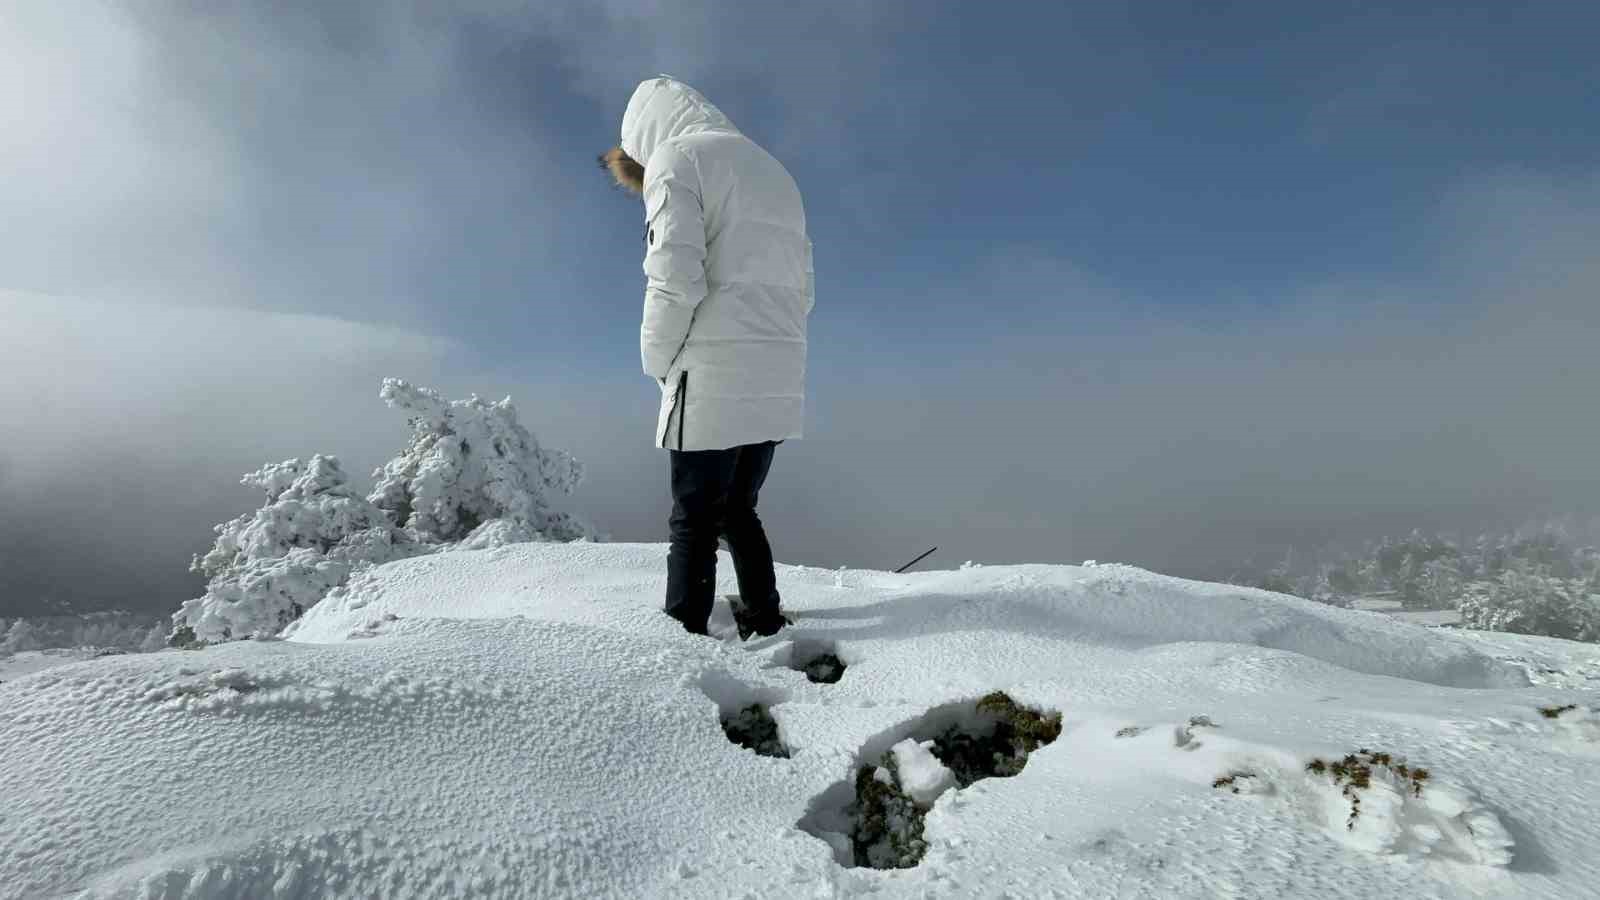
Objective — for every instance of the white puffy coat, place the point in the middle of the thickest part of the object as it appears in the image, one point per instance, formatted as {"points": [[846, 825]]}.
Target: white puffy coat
{"points": [[728, 274]]}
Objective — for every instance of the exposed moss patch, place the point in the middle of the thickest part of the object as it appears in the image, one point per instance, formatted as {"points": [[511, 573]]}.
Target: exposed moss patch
{"points": [[1002, 749], [824, 669], [888, 824], [1129, 731], [753, 728], [1554, 712], [883, 822], [1354, 773]]}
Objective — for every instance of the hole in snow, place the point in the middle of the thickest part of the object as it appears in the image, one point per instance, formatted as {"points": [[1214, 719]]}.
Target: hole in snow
{"points": [[753, 728], [818, 660], [824, 669], [875, 818], [746, 713]]}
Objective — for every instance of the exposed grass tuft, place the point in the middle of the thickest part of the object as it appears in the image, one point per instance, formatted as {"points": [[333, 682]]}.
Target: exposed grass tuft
{"points": [[1354, 774]]}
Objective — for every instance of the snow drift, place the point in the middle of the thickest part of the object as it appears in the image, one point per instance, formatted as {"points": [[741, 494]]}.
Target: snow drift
{"points": [[1104, 605], [522, 721]]}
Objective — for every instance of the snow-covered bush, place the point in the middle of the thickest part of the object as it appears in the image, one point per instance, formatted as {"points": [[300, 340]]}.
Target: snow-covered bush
{"points": [[21, 636], [1534, 602], [469, 463], [472, 477], [269, 566]]}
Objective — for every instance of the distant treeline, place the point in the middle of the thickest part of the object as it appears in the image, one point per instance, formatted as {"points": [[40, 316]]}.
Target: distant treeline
{"points": [[1536, 579], [114, 630]]}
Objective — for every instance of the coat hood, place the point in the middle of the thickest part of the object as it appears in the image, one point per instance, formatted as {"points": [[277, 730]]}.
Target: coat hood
{"points": [[664, 108]]}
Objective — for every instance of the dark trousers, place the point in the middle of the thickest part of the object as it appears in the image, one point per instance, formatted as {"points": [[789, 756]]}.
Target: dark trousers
{"points": [[714, 495]]}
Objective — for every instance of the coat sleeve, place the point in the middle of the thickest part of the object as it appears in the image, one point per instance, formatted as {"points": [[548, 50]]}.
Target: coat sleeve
{"points": [[674, 260]]}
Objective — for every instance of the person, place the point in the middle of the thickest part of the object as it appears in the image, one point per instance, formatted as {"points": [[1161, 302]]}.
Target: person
{"points": [[728, 289]]}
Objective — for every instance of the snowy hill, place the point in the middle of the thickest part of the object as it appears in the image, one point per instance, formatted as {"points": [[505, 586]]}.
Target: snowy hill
{"points": [[524, 722]]}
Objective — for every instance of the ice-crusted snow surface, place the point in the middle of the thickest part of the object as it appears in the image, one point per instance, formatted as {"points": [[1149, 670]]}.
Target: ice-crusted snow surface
{"points": [[523, 721]]}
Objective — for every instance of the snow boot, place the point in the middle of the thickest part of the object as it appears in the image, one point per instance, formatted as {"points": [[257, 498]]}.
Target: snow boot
{"points": [[751, 622]]}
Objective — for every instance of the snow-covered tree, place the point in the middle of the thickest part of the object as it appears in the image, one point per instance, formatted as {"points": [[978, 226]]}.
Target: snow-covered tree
{"points": [[269, 566], [1525, 600], [1438, 586], [469, 464], [1368, 575], [1341, 581], [154, 639], [1330, 584], [471, 477], [20, 637]]}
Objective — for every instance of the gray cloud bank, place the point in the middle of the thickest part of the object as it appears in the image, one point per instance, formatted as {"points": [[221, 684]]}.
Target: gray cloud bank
{"points": [[1127, 430]]}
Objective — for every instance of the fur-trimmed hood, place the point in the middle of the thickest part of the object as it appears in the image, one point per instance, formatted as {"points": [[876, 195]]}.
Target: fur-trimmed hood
{"points": [[627, 173], [660, 109]]}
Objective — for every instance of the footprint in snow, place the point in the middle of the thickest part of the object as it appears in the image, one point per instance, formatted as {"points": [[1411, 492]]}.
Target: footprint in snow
{"points": [[1183, 736], [746, 713], [874, 818], [818, 660]]}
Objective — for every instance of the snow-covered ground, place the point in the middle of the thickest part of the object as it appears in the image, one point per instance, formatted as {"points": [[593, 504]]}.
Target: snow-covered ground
{"points": [[524, 722], [16, 665]]}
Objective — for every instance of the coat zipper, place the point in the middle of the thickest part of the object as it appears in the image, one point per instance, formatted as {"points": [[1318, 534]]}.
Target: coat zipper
{"points": [[677, 407], [683, 402]]}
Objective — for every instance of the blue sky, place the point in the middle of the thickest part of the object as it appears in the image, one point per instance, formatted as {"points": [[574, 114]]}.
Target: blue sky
{"points": [[1157, 282]]}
